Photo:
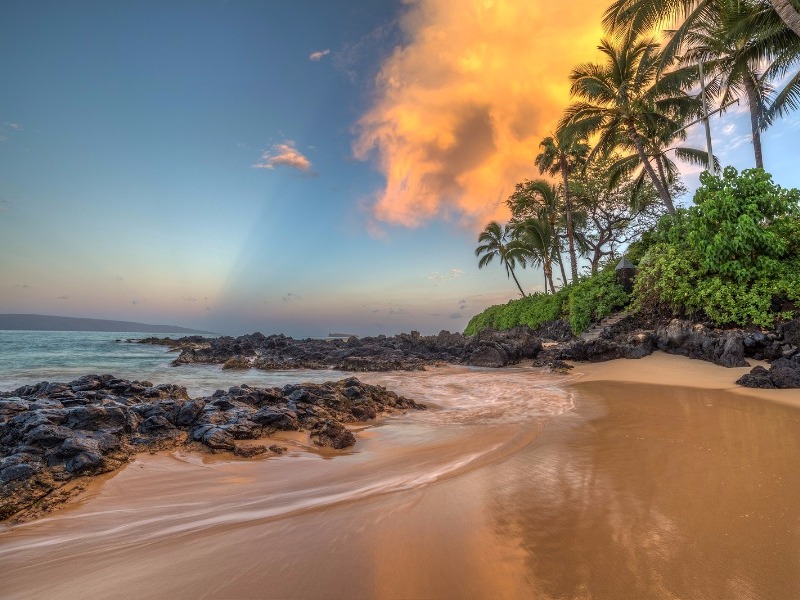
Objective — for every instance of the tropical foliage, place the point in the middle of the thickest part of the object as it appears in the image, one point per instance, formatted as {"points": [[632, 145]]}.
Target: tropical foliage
{"points": [[581, 304], [631, 104], [734, 257], [494, 243]]}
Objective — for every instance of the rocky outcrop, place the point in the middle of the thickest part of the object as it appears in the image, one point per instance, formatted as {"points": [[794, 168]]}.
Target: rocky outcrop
{"points": [[53, 433], [405, 352], [635, 337], [724, 348], [492, 348], [783, 373]]}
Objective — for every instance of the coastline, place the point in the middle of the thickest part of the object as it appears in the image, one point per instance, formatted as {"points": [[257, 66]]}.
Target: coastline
{"points": [[663, 481], [671, 370]]}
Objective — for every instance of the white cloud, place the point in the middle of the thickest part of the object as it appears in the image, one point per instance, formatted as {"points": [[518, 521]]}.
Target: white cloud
{"points": [[729, 129], [8, 128], [451, 274], [283, 155], [319, 55]]}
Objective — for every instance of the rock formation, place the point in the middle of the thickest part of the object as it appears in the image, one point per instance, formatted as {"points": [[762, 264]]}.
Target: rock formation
{"points": [[52, 433]]}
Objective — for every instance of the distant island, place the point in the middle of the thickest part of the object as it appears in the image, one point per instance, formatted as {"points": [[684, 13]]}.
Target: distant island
{"points": [[51, 323]]}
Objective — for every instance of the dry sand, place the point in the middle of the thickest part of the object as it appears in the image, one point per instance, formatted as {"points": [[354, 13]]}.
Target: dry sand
{"points": [[647, 489]]}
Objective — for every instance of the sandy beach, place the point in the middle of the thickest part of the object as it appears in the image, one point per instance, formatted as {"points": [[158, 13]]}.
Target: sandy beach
{"points": [[661, 481]]}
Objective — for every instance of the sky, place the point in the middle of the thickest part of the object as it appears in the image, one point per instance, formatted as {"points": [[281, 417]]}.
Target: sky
{"points": [[301, 167]]}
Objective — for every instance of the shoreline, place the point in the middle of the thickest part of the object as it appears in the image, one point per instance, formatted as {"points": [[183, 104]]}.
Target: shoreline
{"points": [[641, 488], [671, 370]]}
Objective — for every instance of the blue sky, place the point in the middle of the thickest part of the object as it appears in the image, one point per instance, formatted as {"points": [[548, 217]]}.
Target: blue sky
{"points": [[299, 167]]}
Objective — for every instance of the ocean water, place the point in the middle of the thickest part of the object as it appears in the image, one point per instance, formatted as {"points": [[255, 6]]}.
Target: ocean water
{"points": [[466, 395], [32, 356]]}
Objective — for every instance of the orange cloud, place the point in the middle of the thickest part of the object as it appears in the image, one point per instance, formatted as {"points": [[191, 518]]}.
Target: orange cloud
{"points": [[461, 108]]}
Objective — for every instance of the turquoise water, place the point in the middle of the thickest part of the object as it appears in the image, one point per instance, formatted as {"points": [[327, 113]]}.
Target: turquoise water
{"points": [[33, 356]]}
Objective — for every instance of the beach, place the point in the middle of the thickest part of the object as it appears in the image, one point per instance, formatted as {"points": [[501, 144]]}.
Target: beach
{"points": [[654, 478]]}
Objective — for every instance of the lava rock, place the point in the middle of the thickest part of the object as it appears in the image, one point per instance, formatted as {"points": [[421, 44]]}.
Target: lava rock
{"points": [[333, 434]]}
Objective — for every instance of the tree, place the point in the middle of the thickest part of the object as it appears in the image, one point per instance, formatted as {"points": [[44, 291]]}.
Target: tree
{"points": [[493, 244], [745, 50], [733, 256], [561, 154], [646, 15], [535, 240], [629, 96], [538, 199], [618, 208]]}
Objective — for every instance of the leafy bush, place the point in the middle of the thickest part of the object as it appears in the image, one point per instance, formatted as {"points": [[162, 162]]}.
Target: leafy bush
{"points": [[584, 302], [732, 257], [532, 310], [594, 298]]}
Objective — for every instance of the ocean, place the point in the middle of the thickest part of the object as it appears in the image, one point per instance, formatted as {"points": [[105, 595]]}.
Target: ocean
{"points": [[59, 356]]}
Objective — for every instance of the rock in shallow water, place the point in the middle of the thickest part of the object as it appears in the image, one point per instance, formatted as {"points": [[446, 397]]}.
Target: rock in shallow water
{"points": [[44, 445]]}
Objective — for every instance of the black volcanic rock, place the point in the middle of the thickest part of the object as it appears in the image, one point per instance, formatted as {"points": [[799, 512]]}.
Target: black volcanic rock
{"points": [[725, 348], [46, 439], [404, 352]]}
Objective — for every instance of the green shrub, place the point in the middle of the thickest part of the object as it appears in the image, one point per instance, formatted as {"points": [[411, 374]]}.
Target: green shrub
{"points": [[592, 299], [731, 257], [584, 302], [532, 310]]}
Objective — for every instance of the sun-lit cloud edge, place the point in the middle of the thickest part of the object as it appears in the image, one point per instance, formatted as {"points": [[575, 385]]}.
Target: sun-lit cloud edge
{"points": [[460, 108], [284, 154]]}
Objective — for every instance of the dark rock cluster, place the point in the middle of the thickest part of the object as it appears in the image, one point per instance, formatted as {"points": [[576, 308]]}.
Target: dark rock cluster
{"points": [[783, 373], [632, 336], [635, 337], [51, 433], [403, 352]]}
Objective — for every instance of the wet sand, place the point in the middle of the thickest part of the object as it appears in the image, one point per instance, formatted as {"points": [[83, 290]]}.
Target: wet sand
{"points": [[639, 491]]}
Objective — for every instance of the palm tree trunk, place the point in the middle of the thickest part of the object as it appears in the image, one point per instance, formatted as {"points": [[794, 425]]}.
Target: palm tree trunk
{"points": [[788, 14], [662, 191], [573, 259], [563, 272], [752, 101], [661, 173], [511, 270], [548, 273]]}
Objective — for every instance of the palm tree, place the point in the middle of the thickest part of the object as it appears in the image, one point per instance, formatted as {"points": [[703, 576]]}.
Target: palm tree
{"points": [[535, 239], [539, 199], [645, 15], [657, 148], [627, 98], [739, 45], [494, 244], [561, 154]]}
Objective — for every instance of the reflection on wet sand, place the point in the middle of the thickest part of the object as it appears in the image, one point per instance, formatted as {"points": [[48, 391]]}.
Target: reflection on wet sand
{"points": [[661, 493], [639, 492]]}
